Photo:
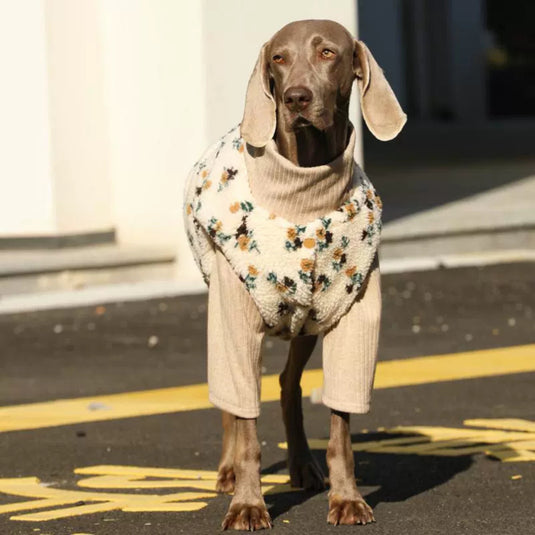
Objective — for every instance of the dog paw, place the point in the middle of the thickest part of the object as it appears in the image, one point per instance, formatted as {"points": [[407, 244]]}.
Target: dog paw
{"points": [[307, 475], [349, 512], [226, 480], [247, 517]]}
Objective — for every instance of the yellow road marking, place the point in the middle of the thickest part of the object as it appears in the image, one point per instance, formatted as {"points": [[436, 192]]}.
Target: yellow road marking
{"points": [[509, 440], [390, 374], [120, 477]]}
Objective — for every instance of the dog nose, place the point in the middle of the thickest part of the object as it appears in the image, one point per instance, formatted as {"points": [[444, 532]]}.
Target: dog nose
{"points": [[297, 98]]}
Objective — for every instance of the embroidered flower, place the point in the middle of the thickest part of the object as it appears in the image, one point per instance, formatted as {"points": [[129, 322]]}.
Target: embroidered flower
{"points": [[246, 206], [214, 230], [234, 207], [206, 184], [229, 173], [351, 271], [350, 208], [189, 208], [238, 144], [371, 217], [339, 259], [294, 240], [321, 283], [250, 279], [243, 242], [324, 236], [307, 264], [283, 285], [355, 279], [244, 237], [309, 243]]}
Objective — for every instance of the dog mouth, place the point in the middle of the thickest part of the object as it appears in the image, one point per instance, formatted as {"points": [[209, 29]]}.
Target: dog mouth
{"points": [[320, 121], [300, 122]]}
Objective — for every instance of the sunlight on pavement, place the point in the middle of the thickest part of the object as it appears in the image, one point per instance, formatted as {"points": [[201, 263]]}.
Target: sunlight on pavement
{"points": [[509, 440], [201, 485]]}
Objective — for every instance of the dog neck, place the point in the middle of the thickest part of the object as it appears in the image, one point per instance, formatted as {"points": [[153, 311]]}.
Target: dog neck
{"points": [[307, 146], [295, 192]]}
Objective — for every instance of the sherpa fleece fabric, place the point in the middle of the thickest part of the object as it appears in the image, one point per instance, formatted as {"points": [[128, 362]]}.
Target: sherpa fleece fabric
{"points": [[302, 277]]}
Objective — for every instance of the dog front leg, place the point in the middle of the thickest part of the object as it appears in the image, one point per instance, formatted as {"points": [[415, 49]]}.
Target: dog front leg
{"points": [[225, 470], [305, 472], [346, 504], [247, 509]]}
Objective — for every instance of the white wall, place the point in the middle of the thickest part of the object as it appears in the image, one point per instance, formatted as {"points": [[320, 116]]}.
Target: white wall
{"points": [[53, 139], [155, 93], [26, 200], [78, 117]]}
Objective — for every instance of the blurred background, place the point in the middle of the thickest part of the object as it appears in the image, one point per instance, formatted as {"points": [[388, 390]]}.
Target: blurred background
{"points": [[106, 104]]}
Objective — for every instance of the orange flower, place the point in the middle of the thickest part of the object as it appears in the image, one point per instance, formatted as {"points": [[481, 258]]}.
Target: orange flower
{"points": [[252, 271], [280, 287], [337, 254], [188, 209], [207, 184], [371, 217], [351, 271], [243, 241], [320, 233], [307, 264], [204, 174], [272, 215], [350, 209], [218, 225], [242, 146], [378, 201], [234, 207], [224, 177], [309, 243], [369, 193], [291, 233]]}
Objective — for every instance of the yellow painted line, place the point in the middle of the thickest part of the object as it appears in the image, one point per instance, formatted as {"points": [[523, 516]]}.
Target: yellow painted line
{"points": [[509, 440], [75, 502], [390, 374]]}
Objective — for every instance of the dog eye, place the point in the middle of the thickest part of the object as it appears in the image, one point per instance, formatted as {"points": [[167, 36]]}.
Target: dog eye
{"points": [[327, 54], [278, 59]]}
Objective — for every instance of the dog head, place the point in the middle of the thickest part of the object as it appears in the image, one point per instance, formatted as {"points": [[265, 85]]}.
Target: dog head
{"points": [[304, 75]]}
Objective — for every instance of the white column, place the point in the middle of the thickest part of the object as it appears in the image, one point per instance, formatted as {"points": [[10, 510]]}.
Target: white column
{"points": [[78, 120], [26, 198], [155, 90], [53, 142]]}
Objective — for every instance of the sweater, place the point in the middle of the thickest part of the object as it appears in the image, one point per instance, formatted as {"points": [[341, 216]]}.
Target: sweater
{"points": [[302, 275]]}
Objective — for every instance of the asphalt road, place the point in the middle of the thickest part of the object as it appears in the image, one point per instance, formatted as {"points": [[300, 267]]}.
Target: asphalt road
{"points": [[150, 345]]}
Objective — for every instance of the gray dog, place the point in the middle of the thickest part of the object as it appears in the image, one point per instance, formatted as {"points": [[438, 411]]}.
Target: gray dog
{"points": [[285, 228]]}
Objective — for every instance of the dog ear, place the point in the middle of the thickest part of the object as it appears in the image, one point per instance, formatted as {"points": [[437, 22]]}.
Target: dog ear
{"points": [[380, 107], [259, 117]]}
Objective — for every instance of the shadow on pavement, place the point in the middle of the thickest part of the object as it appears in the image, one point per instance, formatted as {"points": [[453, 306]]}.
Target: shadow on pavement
{"points": [[398, 476]]}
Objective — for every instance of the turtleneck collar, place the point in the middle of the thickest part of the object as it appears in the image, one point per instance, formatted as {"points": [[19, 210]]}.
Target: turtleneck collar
{"points": [[299, 194]]}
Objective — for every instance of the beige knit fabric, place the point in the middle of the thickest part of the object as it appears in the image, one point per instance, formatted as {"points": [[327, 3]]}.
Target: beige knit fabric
{"points": [[235, 327]]}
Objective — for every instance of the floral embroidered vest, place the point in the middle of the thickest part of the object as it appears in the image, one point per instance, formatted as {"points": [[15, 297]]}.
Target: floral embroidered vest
{"points": [[303, 278]]}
